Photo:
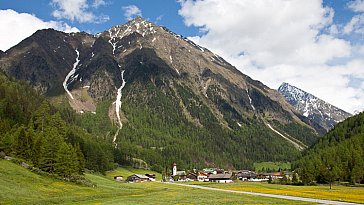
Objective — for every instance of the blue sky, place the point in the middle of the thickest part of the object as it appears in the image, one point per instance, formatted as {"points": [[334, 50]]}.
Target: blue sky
{"points": [[163, 12], [313, 44], [166, 10]]}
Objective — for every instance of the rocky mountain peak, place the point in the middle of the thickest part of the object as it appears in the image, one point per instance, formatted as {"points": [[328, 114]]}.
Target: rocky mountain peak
{"points": [[312, 107], [139, 66]]}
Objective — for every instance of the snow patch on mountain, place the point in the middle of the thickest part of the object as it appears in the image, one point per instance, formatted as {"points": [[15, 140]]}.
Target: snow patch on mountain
{"points": [[118, 106], [71, 74], [250, 100], [312, 107]]}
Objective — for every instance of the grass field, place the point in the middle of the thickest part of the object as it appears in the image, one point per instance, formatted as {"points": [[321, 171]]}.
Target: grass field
{"points": [[20, 186], [338, 193]]}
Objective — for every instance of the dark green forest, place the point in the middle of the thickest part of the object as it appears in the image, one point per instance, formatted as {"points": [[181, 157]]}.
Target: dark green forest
{"points": [[338, 156], [46, 137]]}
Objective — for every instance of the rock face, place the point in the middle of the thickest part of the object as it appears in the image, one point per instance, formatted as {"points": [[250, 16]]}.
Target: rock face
{"points": [[317, 110], [142, 66]]}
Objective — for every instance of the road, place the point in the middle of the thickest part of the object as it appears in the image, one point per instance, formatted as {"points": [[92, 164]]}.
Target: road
{"points": [[319, 201]]}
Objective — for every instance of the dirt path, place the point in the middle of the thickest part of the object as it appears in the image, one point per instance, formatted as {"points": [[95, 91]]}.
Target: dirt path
{"points": [[319, 201]]}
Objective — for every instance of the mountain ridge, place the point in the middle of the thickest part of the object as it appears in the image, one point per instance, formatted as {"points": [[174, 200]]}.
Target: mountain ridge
{"points": [[312, 107], [143, 70]]}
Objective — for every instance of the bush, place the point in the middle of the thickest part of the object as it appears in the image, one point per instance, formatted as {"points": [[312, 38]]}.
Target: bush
{"points": [[2, 155]]}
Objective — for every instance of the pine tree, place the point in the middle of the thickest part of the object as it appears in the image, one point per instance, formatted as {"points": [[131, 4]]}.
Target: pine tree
{"points": [[66, 163], [38, 149], [52, 142], [80, 159], [23, 143]]}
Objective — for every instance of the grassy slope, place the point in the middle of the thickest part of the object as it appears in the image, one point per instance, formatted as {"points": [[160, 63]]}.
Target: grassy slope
{"points": [[338, 193], [20, 186]]}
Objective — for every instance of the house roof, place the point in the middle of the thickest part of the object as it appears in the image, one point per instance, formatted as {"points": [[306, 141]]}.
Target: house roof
{"points": [[139, 176], [202, 174], [246, 175], [193, 174], [220, 176], [180, 173]]}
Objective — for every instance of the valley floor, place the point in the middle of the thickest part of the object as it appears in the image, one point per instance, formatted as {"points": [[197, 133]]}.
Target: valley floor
{"points": [[279, 196], [20, 186]]}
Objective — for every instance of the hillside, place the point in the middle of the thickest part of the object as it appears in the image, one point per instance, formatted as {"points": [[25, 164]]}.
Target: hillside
{"points": [[339, 155], [155, 96], [46, 137], [319, 112]]}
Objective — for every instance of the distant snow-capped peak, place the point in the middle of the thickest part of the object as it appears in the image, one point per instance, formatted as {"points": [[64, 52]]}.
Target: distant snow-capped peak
{"points": [[312, 107]]}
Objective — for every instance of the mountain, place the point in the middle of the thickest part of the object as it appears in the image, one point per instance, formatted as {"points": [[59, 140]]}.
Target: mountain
{"points": [[317, 110], [158, 97], [338, 156]]}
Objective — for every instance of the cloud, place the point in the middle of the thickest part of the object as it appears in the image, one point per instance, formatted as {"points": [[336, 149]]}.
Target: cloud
{"points": [[159, 18], [355, 25], [278, 40], [14, 27], [131, 11], [356, 6], [78, 10], [98, 3]]}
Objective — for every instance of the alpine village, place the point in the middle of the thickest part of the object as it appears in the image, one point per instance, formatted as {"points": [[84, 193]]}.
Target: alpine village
{"points": [[138, 114]]}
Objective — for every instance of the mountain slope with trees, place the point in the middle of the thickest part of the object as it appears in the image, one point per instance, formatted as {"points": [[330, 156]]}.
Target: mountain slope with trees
{"points": [[338, 156], [152, 97], [42, 135]]}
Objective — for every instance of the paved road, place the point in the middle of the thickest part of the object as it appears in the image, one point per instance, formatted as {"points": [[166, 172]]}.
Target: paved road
{"points": [[319, 201]]}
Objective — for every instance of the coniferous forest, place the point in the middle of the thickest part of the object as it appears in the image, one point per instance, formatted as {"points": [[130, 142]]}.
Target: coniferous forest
{"points": [[338, 156], [45, 137]]}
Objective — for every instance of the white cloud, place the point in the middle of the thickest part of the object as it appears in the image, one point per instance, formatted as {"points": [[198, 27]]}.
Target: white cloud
{"points": [[14, 27], [356, 25], [280, 40], [159, 18], [98, 3], [77, 10], [131, 11], [357, 5]]}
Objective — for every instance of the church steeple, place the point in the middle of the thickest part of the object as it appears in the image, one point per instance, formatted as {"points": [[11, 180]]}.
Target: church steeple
{"points": [[174, 169]]}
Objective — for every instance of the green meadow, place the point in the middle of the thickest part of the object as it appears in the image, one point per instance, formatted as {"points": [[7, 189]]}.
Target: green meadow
{"points": [[21, 186], [353, 194]]}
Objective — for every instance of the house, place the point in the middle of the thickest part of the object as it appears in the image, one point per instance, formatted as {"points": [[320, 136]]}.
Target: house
{"points": [[210, 170], [191, 176], [180, 176], [221, 178], [246, 176], [151, 177], [202, 177], [138, 178], [118, 178], [277, 175]]}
